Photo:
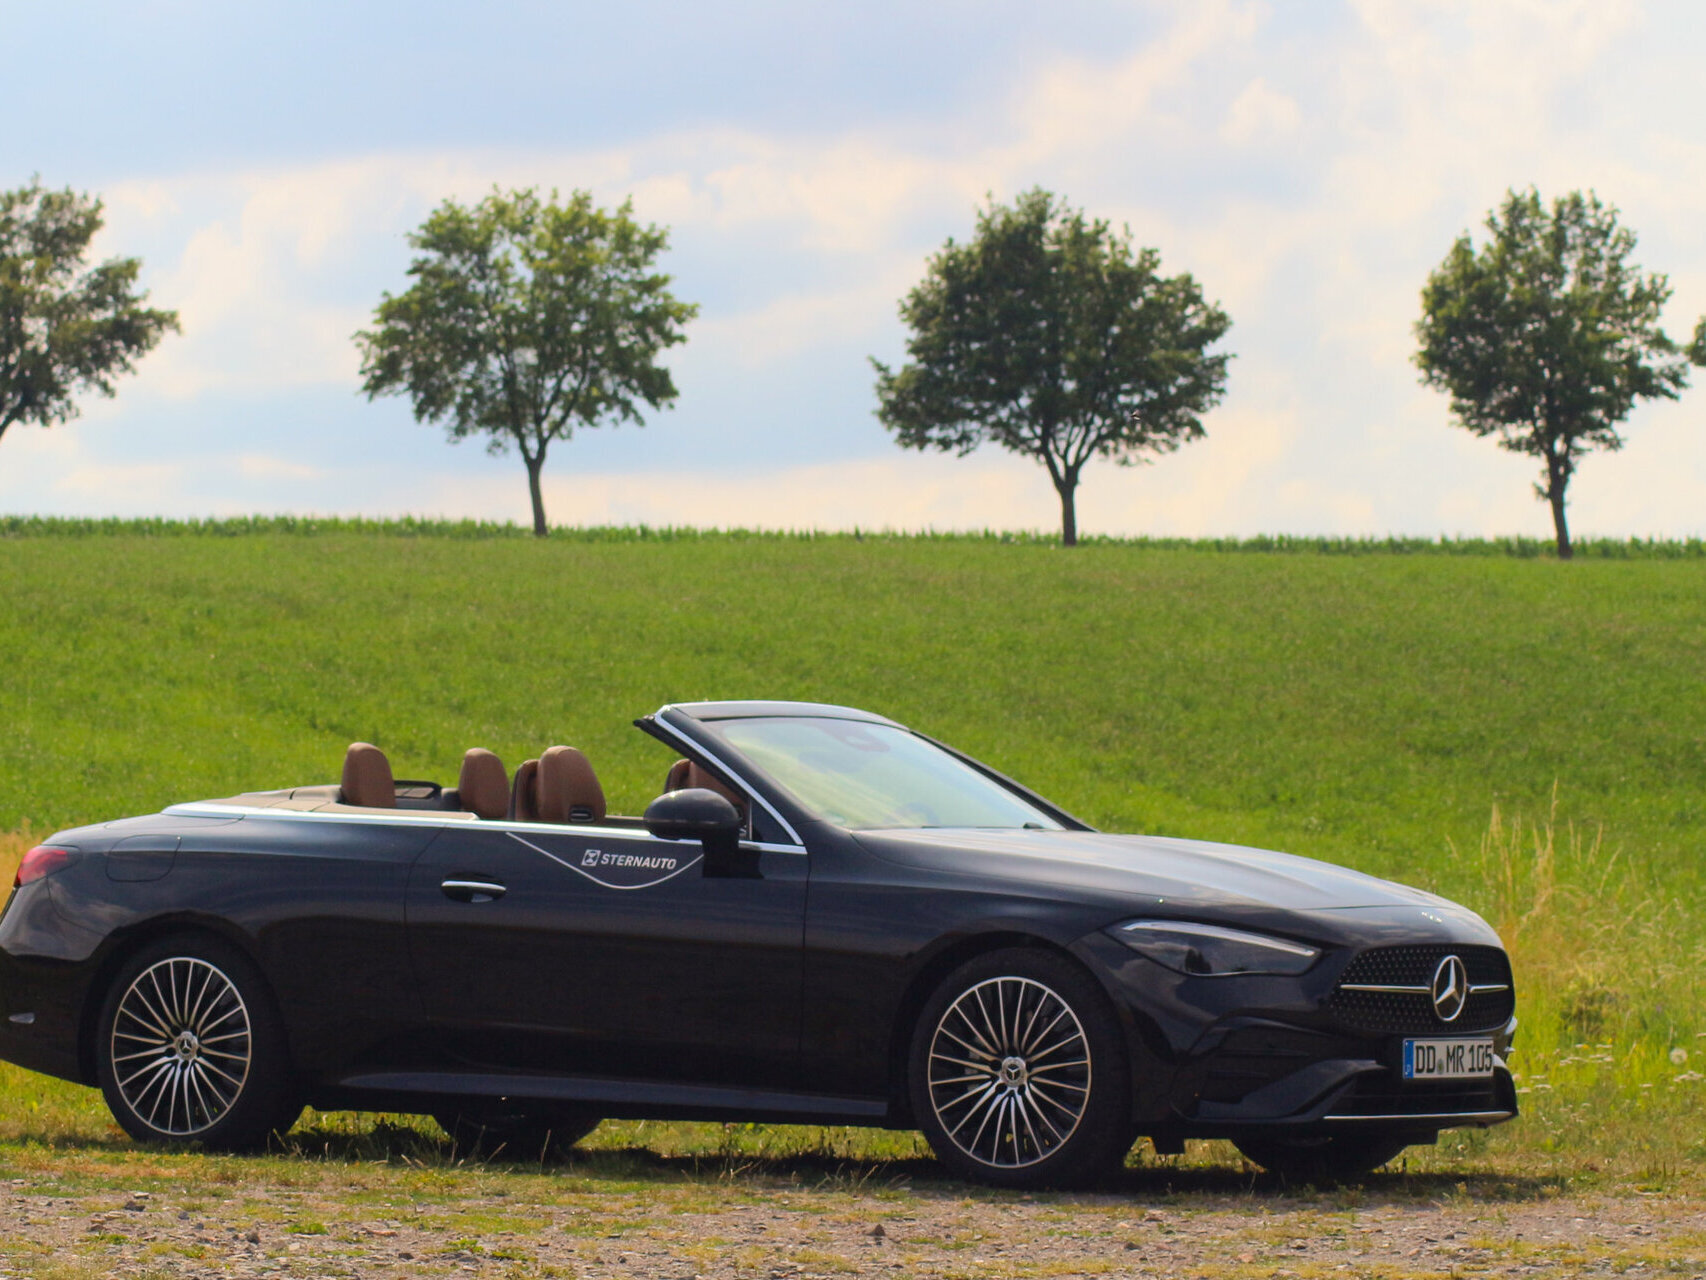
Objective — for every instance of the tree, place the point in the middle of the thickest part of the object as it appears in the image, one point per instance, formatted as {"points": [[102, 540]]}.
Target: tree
{"points": [[64, 327], [1547, 335], [526, 319], [1047, 335]]}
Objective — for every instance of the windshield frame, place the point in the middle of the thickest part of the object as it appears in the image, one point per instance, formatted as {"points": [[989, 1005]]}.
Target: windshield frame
{"points": [[708, 731]]}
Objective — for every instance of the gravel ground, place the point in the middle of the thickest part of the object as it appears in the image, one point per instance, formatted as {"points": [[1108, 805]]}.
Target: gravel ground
{"points": [[379, 1223]]}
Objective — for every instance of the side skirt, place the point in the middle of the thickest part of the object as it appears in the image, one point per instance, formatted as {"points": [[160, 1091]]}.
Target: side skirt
{"points": [[615, 1099]]}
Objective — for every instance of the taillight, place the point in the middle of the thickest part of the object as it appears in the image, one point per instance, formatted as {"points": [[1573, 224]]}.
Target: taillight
{"points": [[43, 860]]}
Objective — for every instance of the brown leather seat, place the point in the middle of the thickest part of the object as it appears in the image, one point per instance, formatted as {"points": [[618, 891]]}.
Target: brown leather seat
{"points": [[684, 774], [523, 794], [567, 789], [367, 778], [483, 786]]}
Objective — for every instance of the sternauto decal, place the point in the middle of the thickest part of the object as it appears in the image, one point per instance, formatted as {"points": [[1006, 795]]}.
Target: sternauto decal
{"points": [[620, 869]]}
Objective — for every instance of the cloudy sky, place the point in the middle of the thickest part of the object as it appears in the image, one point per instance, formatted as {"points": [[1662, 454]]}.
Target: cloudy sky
{"points": [[1308, 162]]}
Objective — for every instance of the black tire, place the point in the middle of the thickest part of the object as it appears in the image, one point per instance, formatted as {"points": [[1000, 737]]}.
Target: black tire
{"points": [[189, 1048], [1018, 1072], [1329, 1158], [504, 1130]]}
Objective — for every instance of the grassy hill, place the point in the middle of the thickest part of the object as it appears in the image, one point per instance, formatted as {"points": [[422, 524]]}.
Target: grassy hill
{"points": [[1373, 709]]}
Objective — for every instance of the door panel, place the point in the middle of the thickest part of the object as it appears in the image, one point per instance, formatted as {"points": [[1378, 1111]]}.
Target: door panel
{"points": [[600, 952]]}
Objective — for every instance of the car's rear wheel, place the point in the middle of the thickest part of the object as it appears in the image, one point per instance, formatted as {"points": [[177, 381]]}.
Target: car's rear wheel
{"points": [[1018, 1072], [189, 1048], [503, 1130], [1330, 1157]]}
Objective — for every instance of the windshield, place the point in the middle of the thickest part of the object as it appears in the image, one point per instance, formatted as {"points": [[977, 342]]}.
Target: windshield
{"points": [[872, 776]]}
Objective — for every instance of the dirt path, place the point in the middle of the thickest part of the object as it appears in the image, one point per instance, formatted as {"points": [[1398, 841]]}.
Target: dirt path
{"points": [[370, 1223]]}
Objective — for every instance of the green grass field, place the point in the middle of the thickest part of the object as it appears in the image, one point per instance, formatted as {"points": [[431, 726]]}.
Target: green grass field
{"points": [[1377, 708]]}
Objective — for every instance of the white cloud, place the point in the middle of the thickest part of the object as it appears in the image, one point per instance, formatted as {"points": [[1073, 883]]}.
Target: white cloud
{"points": [[1260, 114]]}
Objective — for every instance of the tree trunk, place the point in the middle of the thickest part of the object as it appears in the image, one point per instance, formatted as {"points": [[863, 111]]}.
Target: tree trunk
{"points": [[1067, 488], [534, 467], [1560, 523], [1557, 485]]}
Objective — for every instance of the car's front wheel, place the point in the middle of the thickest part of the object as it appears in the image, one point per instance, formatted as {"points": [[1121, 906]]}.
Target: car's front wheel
{"points": [[189, 1048], [1330, 1157], [1018, 1072]]}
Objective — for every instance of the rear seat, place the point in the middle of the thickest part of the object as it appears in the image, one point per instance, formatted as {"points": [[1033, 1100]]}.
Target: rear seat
{"points": [[483, 787], [559, 787]]}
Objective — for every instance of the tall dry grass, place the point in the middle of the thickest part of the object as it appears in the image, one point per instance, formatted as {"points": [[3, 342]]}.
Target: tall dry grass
{"points": [[1600, 942], [1609, 959]]}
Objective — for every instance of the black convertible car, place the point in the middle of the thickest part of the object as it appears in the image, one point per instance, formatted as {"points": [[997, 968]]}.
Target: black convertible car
{"points": [[824, 918]]}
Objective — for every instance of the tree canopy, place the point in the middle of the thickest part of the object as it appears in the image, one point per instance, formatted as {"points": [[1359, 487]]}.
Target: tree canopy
{"points": [[1048, 335], [64, 327], [528, 318], [1547, 335]]}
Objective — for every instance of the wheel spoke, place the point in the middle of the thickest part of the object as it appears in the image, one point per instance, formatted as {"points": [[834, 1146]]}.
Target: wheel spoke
{"points": [[142, 1012], [967, 1096], [158, 1065], [965, 1044], [234, 1010], [986, 1033], [1075, 1037], [1061, 1066], [1032, 1107], [979, 1108], [168, 1014], [192, 1018], [963, 1062], [1024, 1114], [1040, 1036]]}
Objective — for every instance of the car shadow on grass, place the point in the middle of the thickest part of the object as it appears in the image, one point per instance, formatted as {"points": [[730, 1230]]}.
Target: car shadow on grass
{"points": [[1161, 1183], [1150, 1183]]}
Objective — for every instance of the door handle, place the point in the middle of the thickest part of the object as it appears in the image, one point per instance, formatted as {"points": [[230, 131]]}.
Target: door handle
{"points": [[473, 890]]}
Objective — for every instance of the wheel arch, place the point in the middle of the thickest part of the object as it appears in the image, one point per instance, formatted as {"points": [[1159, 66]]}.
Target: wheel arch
{"points": [[124, 946]]}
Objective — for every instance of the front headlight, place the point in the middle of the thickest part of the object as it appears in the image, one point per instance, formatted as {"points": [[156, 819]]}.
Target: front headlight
{"points": [[1209, 950]]}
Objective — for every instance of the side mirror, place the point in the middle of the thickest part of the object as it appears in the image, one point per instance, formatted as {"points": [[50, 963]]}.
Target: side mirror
{"points": [[695, 814]]}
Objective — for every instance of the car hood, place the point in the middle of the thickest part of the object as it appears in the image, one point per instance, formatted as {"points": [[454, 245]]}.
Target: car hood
{"points": [[1169, 876]]}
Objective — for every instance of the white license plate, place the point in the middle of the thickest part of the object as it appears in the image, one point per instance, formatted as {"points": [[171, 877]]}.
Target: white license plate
{"points": [[1447, 1059]]}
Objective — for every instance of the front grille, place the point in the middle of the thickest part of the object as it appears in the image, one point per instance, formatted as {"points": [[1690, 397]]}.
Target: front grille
{"points": [[1412, 1012]]}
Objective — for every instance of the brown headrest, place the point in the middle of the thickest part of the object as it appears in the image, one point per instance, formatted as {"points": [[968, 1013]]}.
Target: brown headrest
{"points": [[677, 778], [523, 796], [684, 774], [568, 788], [367, 778], [483, 785]]}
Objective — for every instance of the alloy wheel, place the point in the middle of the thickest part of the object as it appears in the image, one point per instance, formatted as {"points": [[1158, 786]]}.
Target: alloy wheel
{"points": [[1009, 1072], [181, 1046]]}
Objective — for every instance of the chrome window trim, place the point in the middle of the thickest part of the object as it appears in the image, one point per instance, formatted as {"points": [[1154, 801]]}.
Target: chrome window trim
{"points": [[1475, 990], [717, 760], [451, 818], [1460, 1117]]}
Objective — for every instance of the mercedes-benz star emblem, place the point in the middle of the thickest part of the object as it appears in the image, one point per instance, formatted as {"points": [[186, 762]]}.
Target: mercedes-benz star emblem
{"points": [[1450, 989]]}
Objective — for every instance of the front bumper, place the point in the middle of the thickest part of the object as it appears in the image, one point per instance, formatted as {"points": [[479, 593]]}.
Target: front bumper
{"points": [[1225, 1057], [1237, 1088]]}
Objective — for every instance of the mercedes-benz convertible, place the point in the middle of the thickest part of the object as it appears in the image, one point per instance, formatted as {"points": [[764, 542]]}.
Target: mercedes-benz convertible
{"points": [[823, 917]]}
